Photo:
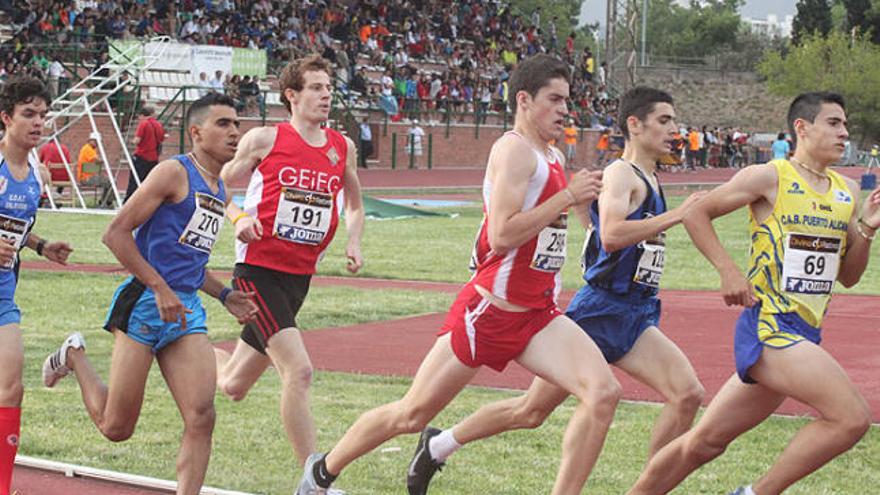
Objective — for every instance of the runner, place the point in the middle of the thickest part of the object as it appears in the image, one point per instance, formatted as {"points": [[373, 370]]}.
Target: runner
{"points": [[176, 213], [296, 171], [806, 231], [508, 310], [24, 102]]}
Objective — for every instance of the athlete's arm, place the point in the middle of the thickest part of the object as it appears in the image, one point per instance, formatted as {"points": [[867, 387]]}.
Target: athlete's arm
{"points": [[252, 148], [750, 185], [57, 251], [582, 212], [619, 184], [511, 163], [166, 183], [247, 228], [858, 248], [239, 304], [354, 210]]}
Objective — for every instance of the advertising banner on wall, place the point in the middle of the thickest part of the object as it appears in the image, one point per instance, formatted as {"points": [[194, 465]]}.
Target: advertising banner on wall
{"points": [[193, 59], [209, 59]]}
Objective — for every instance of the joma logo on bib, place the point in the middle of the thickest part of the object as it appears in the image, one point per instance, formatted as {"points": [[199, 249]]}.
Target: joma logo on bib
{"points": [[308, 179]]}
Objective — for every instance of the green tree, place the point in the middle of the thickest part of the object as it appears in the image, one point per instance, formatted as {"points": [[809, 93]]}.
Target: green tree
{"points": [[695, 30], [863, 15], [813, 16], [838, 62]]}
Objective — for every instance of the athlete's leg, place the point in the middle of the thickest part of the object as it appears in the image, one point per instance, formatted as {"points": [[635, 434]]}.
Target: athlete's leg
{"points": [[565, 356], [11, 393], [526, 411], [190, 374], [737, 408], [237, 373], [114, 410], [439, 379], [810, 375], [290, 358], [657, 362]]}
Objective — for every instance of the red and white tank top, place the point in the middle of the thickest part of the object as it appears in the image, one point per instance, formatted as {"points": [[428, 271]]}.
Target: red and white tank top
{"points": [[293, 193], [529, 275]]}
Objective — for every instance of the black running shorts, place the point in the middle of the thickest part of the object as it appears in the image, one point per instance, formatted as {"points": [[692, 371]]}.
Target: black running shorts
{"points": [[278, 296]]}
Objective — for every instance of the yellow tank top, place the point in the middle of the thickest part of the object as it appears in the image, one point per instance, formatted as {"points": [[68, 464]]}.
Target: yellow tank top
{"points": [[795, 253]]}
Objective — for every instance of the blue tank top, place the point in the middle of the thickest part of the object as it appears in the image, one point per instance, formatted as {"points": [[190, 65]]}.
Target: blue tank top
{"points": [[18, 211], [177, 240], [633, 270]]}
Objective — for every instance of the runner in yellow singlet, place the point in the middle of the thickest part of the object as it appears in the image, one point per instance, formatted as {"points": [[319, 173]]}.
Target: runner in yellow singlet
{"points": [[807, 231]]}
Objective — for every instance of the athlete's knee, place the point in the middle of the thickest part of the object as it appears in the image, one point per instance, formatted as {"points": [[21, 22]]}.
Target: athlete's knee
{"points": [[117, 431], [602, 398], [530, 416], [410, 418], [854, 424], [233, 389], [703, 447], [689, 398], [297, 376], [200, 420]]}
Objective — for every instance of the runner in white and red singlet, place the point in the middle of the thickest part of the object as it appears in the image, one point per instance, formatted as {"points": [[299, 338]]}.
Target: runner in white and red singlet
{"points": [[296, 169], [507, 311]]}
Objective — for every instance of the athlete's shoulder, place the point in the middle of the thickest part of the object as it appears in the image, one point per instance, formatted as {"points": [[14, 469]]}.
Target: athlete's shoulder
{"points": [[512, 153]]}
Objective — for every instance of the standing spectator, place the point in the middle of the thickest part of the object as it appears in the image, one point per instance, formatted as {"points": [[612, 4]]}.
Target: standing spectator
{"points": [[570, 143], [601, 73], [56, 72], [693, 149], [216, 84], [602, 147], [204, 84], [148, 146], [366, 138], [780, 147], [414, 143]]}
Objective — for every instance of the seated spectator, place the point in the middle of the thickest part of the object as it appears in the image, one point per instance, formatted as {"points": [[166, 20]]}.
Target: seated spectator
{"points": [[54, 159], [89, 168]]}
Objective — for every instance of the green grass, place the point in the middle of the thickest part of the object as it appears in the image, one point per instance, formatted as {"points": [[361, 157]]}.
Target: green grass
{"points": [[439, 248]]}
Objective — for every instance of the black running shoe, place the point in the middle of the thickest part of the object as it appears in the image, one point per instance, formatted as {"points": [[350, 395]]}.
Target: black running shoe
{"points": [[423, 466]]}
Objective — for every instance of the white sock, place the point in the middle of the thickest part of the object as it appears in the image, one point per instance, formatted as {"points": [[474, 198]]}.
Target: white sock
{"points": [[442, 446], [749, 491]]}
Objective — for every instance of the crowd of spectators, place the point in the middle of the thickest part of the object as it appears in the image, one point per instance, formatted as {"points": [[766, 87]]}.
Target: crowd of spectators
{"points": [[467, 46]]}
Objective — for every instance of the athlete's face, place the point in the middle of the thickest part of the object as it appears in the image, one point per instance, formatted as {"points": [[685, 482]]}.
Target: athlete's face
{"points": [[655, 134], [25, 126], [218, 133], [824, 139], [547, 110], [313, 101]]}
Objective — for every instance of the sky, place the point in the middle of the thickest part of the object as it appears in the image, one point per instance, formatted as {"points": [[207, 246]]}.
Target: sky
{"points": [[594, 10]]}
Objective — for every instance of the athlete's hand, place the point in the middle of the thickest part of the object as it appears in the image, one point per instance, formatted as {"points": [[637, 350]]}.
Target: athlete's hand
{"points": [[871, 209], [7, 252], [585, 185], [248, 229], [686, 205], [355, 260], [735, 289], [170, 307], [241, 305], [57, 252]]}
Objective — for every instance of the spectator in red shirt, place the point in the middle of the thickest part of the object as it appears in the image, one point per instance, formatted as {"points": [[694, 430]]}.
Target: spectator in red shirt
{"points": [[148, 146], [50, 154]]}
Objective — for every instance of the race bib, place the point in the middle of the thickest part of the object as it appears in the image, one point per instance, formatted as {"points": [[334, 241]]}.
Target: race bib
{"points": [[204, 224], [12, 229], [811, 263], [550, 250], [303, 216], [649, 269]]}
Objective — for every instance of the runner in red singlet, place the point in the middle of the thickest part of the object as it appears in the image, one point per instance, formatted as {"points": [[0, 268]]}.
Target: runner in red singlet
{"points": [[508, 311], [296, 170]]}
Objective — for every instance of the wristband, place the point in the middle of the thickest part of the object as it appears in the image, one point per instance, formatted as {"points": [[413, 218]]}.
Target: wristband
{"points": [[239, 217], [866, 224], [40, 245], [862, 232], [224, 294]]}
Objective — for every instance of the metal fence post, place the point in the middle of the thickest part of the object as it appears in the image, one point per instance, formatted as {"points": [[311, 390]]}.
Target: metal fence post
{"points": [[393, 150]]}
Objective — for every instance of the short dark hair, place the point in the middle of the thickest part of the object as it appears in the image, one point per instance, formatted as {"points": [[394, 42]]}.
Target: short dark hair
{"points": [[293, 76], [780, 136], [199, 109], [534, 73], [21, 90], [807, 106], [146, 111], [639, 102]]}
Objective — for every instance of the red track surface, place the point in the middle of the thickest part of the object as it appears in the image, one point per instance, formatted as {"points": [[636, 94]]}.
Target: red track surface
{"points": [[29, 481]]}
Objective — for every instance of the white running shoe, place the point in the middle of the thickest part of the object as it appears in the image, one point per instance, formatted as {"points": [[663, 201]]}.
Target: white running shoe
{"points": [[55, 365]]}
